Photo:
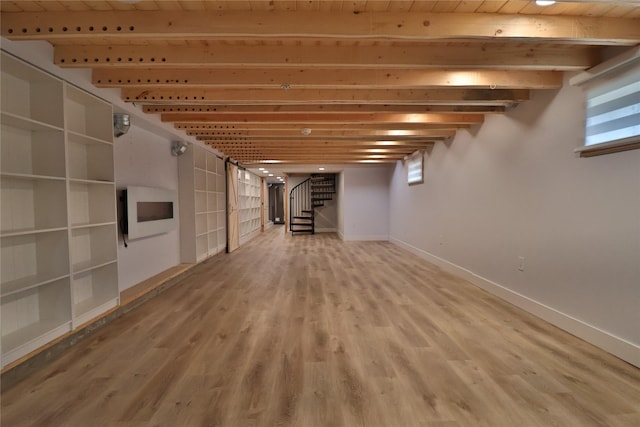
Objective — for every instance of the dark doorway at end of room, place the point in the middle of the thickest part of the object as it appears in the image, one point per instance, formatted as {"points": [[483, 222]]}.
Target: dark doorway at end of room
{"points": [[276, 203]]}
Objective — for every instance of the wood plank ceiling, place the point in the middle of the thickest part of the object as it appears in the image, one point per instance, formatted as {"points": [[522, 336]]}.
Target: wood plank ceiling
{"points": [[308, 82]]}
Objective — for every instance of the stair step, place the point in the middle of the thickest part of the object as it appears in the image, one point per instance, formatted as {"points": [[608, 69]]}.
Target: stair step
{"points": [[309, 228], [322, 184], [306, 211], [303, 217]]}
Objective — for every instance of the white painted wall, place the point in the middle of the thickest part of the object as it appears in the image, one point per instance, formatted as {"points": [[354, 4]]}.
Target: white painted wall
{"points": [[514, 188], [144, 158], [365, 203]]}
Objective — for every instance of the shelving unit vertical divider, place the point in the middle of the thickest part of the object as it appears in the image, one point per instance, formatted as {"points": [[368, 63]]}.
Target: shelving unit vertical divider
{"points": [[91, 204]]}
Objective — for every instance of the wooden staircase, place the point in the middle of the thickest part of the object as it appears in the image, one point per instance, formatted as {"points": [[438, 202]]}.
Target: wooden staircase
{"points": [[305, 197]]}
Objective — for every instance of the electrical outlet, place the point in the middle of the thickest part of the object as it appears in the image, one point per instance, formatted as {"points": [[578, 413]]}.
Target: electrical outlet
{"points": [[521, 263]]}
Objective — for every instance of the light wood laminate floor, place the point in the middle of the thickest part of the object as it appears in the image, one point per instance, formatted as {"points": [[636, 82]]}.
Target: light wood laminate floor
{"points": [[312, 331]]}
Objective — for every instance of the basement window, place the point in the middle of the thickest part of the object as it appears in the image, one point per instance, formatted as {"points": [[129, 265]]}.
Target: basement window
{"points": [[613, 105], [415, 168]]}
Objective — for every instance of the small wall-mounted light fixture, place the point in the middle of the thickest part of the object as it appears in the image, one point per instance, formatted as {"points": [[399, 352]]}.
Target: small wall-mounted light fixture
{"points": [[121, 124], [178, 148]]}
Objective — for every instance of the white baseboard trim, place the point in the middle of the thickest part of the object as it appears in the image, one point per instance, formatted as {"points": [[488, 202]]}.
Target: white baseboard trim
{"points": [[619, 347], [366, 238], [340, 234], [325, 230]]}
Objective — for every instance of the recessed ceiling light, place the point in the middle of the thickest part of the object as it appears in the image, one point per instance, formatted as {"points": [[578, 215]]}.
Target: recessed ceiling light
{"points": [[545, 2], [260, 169], [320, 169], [279, 177], [265, 171], [270, 174], [305, 131]]}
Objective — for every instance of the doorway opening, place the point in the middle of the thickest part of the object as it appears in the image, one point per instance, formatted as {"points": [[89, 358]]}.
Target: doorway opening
{"points": [[276, 203]]}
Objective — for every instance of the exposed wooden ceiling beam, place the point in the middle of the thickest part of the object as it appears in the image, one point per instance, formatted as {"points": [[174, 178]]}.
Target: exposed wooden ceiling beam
{"points": [[319, 78], [304, 150], [328, 96], [321, 133], [253, 163], [414, 56], [424, 118], [392, 128], [322, 108], [323, 143], [318, 156], [182, 25], [327, 144]]}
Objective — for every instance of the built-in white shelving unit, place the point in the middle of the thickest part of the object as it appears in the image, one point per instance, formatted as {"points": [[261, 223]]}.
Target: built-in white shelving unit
{"points": [[248, 203], [58, 223], [202, 204]]}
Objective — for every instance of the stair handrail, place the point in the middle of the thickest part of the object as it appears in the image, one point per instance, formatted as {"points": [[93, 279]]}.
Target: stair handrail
{"points": [[293, 207]]}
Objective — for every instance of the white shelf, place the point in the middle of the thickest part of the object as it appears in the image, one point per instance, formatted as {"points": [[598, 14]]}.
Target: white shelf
{"points": [[211, 181], [212, 162], [92, 308], [200, 180], [31, 177], [91, 225], [90, 247], [29, 314], [222, 238], [88, 115], [31, 203], [94, 287], [212, 220], [201, 223], [30, 93], [82, 267], [200, 202], [212, 202], [26, 283], [30, 148], [199, 157], [202, 246], [15, 345], [92, 202], [26, 123], [81, 138], [90, 159], [30, 231], [91, 182]]}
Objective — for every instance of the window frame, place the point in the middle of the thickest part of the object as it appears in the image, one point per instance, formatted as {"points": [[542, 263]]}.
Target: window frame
{"points": [[611, 73], [415, 158]]}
